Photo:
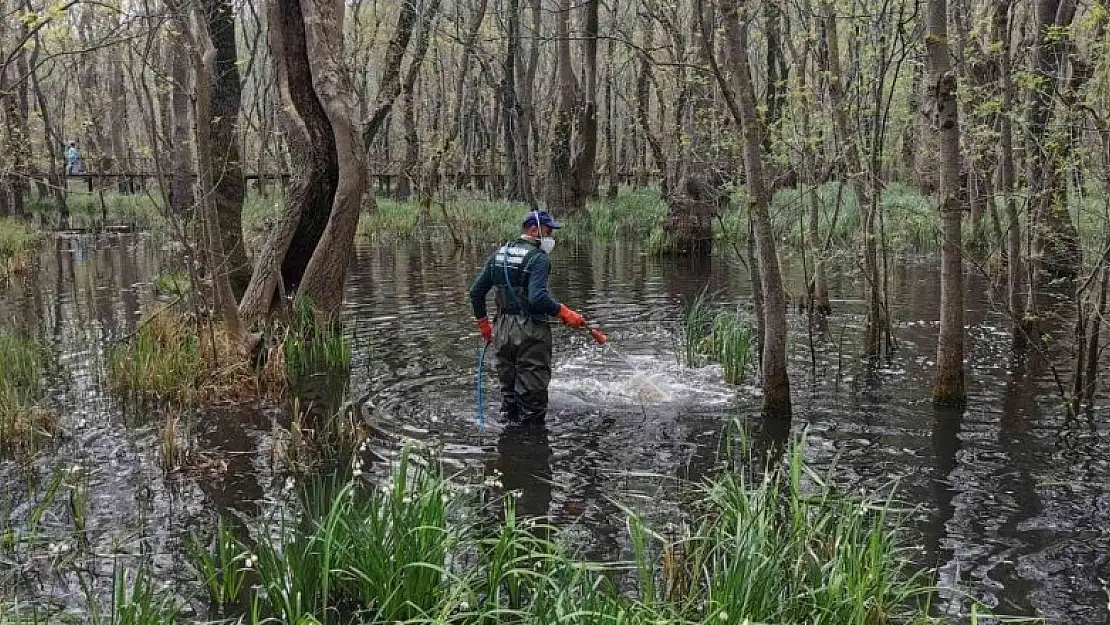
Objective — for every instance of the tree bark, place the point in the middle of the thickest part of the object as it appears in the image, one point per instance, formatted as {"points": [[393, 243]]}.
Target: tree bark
{"points": [[949, 387], [776, 383], [181, 137], [311, 142], [412, 138], [325, 274], [559, 189], [229, 188], [518, 186]]}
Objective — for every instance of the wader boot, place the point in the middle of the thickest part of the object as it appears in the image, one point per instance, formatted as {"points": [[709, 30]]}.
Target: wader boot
{"points": [[522, 345]]}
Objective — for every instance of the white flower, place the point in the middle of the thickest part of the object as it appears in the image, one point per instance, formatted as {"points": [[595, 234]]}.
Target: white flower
{"points": [[357, 472], [249, 562], [723, 615], [464, 606]]}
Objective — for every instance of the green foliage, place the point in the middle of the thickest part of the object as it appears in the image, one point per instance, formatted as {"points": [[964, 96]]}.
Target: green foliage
{"points": [[315, 347], [697, 323], [161, 360], [730, 343], [782, 548], [222, 564], [17, 239], [23, 417], [135, 600], [175, 283]]}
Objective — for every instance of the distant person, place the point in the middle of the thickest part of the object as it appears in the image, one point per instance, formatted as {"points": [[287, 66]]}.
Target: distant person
{"points": [[73, 159], [520, 335]]}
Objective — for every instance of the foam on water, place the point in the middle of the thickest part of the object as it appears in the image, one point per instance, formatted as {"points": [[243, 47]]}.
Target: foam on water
{"points": [[607, 377]]}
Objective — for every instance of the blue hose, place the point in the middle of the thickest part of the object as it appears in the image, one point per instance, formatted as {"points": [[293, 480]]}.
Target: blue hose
{"points": [[481, 388]]}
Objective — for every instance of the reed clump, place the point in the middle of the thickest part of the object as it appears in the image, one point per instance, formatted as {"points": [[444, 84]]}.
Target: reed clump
{"points": [[175, 360], [24, 417], [724, 337]]}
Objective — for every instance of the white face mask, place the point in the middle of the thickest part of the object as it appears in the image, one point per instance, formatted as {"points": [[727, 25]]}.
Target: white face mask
{"points": [[547, 244]]}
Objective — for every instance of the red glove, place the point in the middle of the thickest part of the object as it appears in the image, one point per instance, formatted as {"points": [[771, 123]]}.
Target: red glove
{"points": [[486, 329], [570, 317]]}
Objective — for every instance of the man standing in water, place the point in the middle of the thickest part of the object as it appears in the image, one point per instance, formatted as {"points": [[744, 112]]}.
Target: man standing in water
{"points": [[520, 334]]}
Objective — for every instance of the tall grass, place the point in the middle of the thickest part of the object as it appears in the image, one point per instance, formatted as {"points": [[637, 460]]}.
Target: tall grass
{"points": [[697, 320], [730, 343], [782, 547], [161, 361], [23, 416], [17, 240]]}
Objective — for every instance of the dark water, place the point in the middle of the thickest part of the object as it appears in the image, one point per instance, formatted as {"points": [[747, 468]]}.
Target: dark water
{"points": [[1012, 497]]}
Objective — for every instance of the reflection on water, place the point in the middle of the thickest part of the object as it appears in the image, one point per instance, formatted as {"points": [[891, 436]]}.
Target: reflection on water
{"points": [[1013, 497]]}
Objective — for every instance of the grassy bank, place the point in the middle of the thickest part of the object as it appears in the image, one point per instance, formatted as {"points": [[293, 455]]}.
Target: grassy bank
{"points": [[24, 417], [780, 548]]}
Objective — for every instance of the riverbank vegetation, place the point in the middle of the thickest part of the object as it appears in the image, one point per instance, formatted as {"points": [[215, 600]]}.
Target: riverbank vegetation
{"points": [[415, 545], [25, 417]]}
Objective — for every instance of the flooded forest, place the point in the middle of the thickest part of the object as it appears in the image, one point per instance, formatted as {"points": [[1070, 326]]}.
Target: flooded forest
{"points": [[535, 312]]}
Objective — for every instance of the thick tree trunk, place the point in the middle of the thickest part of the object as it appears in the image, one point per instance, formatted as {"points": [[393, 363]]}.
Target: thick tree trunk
{"points": [[325, 274], [210, 160], [776, 383], [949, 388], [228, 185], [311, 142], [559, 188]]}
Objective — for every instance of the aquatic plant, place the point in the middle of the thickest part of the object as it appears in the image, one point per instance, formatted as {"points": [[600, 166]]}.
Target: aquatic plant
{"points": [[17, 239], [780, 547], [135, 599], [730, 343], [162, 360], [697, 318], [23, 416], [222, 564]]}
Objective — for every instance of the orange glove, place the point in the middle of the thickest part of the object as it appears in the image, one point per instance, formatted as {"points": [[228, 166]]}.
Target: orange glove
{"points": [[570, 317], [486, 329]]}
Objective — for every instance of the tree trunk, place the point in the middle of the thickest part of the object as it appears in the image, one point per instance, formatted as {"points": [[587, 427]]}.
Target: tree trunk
{"points": [[949, 388], [325, 274], [229, 186], [559, 189], [517, 185], [181, 185], [409, 167], [776, 383], [876, 319], [1014, 263], [311, 142], [208, 62], [583, 168]]}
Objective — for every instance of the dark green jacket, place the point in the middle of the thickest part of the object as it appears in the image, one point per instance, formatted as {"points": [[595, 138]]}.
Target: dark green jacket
{"points": [[523, 266]]}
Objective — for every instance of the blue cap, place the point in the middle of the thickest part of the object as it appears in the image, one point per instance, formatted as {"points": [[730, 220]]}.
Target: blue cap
{"points": [[544, 217]]}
